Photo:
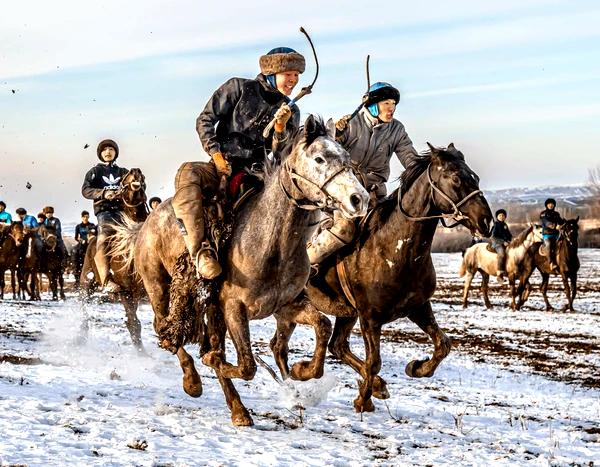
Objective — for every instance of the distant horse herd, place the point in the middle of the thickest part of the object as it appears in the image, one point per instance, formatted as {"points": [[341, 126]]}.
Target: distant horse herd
{"points": [[385, 275]]}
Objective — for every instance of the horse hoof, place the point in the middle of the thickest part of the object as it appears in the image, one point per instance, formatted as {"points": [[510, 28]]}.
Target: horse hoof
{"points": [[361, 406], [414, 369], [380, 390], [242, 419], [192, 386], [303, 371]]}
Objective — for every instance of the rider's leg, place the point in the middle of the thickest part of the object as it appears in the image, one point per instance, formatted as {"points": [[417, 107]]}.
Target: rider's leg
{"points": [[501, 252], [331, 239], [195, 180], [102, 260]]}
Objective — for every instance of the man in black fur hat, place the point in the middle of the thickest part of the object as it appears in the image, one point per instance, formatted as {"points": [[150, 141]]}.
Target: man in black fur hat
{"points": [[231, 132], [371, 137], [101, 184]]}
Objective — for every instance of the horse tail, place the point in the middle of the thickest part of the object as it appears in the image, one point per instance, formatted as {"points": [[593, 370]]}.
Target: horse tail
{"points": [[466, 256], [123, 241]]}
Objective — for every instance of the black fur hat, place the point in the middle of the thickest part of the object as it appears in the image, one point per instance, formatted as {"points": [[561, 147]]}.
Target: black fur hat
{"points": [[500, 211], [281, 59], [106, 143], [548, 201]]}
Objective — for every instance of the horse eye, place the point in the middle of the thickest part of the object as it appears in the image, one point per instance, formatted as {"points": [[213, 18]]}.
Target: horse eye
{"points": [[319, 160]]}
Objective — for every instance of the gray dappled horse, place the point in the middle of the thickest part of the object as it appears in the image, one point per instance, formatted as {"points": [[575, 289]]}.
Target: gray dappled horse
{"points": [[265, 264], [519, 266], [388, 274]]}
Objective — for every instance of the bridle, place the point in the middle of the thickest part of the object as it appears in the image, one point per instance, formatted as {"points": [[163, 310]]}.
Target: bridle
{"points": [[134, 186], [327, 201], [457, 216]]}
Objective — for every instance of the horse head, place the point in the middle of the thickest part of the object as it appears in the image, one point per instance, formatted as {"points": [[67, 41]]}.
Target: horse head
{"points": [[17, 232], [320, 175], [455, 190], [569, 231], [49, 237], [133, 188]]}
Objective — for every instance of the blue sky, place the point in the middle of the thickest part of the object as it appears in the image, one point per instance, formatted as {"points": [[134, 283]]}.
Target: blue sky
{"points": [[515, 85]]}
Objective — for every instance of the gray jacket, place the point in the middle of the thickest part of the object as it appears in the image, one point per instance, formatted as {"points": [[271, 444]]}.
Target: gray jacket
{"points": [[371, 145]]}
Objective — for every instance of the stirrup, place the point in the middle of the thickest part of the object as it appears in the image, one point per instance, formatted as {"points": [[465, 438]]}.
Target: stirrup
{"points": [[211, 268]]}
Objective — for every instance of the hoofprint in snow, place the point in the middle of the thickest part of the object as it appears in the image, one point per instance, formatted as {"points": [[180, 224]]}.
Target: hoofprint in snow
{"points": [[518, 388]]}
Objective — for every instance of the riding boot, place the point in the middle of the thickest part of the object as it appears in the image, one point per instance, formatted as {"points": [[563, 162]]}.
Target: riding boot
{"points": [[328, 241], [187, 204]]}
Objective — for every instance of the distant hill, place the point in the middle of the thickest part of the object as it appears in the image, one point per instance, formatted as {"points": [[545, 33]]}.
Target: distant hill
{"points": [[567, 196]]}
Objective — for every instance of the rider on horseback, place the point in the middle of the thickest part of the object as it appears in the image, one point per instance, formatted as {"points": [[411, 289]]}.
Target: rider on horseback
{"points": [[5, 218], [550, 221], [231, 131], [501, 236], [28, 221], [370, 138], [101, 184]]}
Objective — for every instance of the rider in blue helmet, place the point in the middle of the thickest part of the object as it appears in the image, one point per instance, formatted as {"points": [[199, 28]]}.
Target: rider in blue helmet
{"points": [[371, 137]]}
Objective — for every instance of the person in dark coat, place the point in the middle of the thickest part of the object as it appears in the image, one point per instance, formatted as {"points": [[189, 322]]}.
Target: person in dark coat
{"points": [[54, 222], [371, 138], [551, 219], [231, 132], [501, 237], [84, 231], [101, 184]]}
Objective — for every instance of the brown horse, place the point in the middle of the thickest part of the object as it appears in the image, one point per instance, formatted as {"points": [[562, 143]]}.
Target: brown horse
{"points": [[519, 266], [11, 237], [52, 260], [29, 265], [266, 264], [132, 192], [568, 263], [388, 274]]}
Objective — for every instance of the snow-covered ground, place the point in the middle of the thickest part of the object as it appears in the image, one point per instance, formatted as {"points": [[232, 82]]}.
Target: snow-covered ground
{"points": [[519, 388]]}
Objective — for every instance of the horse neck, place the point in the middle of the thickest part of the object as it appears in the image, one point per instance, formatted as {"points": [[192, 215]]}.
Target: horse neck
{"points": [[283, 225], [567, 250], [136, 213], [417, 202]]}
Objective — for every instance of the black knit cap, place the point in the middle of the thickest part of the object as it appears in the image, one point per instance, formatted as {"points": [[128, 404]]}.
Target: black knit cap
{"points": [[548, 201], [107, 143], [501, 211]]}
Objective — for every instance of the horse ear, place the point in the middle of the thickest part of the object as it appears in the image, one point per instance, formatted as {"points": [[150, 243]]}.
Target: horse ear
{"points": [[330, 127], [432, 148], [577, 220], [451, 146], [310, 130]]}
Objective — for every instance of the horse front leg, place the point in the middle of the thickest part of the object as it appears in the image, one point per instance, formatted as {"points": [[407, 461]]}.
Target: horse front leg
{"points": [[13, 284], [302, 312], [237, 324], [425, 319], [130, 303], [513, 293], [371, 332], [192, 384], [544, 290], [339, 346], [573, 290], [567, 287], [61, 284]]}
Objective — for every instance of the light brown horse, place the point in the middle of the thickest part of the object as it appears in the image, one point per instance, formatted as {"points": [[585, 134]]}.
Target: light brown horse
{"points": [[519, 266], [132, 191]]}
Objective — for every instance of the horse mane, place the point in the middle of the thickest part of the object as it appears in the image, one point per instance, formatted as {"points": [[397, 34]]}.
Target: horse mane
{"points": [[298, 139], [519, 239]]}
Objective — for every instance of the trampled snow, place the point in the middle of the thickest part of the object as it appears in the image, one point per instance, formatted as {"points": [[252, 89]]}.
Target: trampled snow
{"points": [[518, 388]]}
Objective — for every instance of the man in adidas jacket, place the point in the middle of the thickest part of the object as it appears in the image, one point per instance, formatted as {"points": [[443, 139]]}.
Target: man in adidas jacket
{"points": [[101, 184]]}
